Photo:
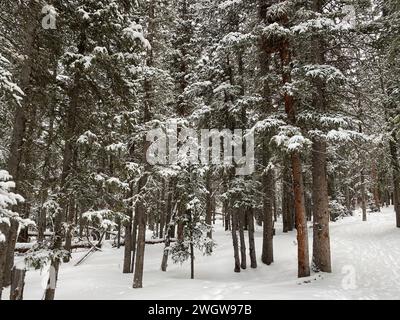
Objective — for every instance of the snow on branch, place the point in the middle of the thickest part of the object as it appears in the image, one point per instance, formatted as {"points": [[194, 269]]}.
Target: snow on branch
{"points": [[326, 72], [135, 32], [226, 4], [291, 139], [276, 31]]}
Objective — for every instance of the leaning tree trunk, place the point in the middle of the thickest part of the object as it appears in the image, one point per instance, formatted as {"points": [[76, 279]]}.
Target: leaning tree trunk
{"points": [[134, 241]]}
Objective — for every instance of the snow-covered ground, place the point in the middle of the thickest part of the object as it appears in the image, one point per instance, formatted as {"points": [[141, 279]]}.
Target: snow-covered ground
{"points": [[365, 255]]}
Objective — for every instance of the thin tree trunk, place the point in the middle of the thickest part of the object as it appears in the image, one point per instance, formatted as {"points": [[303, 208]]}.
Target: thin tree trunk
{"points": [[396, 177], [69, 235], [252, 245], [164, 262], [268, 236], [227, 216], [163, 210], [209, 204], [191, 247], [241, 219], [234, 215], [141, 209], [141, 242], [375, 187], [363, 196], [134, 237], [119, 233], [287, 203], [128, 236], [4, 230]]}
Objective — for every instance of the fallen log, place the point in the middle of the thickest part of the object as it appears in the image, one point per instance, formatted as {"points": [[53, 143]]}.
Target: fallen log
{"points": [[25, 247], [92, 250], [150, 241]]}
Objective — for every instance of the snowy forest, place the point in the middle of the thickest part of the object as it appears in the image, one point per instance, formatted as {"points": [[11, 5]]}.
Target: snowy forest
{"points": [[103, 193]]}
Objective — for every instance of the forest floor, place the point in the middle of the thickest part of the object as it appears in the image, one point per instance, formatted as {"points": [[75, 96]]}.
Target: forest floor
{"points": [[365, 255]]}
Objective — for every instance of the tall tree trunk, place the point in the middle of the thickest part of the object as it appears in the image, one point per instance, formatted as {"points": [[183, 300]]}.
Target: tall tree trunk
{"points": [[19, 126], [134, 237], [209, 203], [320, 200], [298, 184], [363, 196], [241, 219], [164, 262], [55, 262], [11, 242], [252, 245], [140, 206], [127, 268], [301, 220], [396, 176], [4, 230], [128, 249], [321, 239], [287, 201], [141, 240], [17, 284], [375, 186], [163, 210], [227, 215], [70, 228], [234, 216], [268, 232]]}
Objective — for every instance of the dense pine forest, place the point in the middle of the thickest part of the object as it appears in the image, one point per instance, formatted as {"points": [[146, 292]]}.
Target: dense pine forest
{"points": [[112, 109]]}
